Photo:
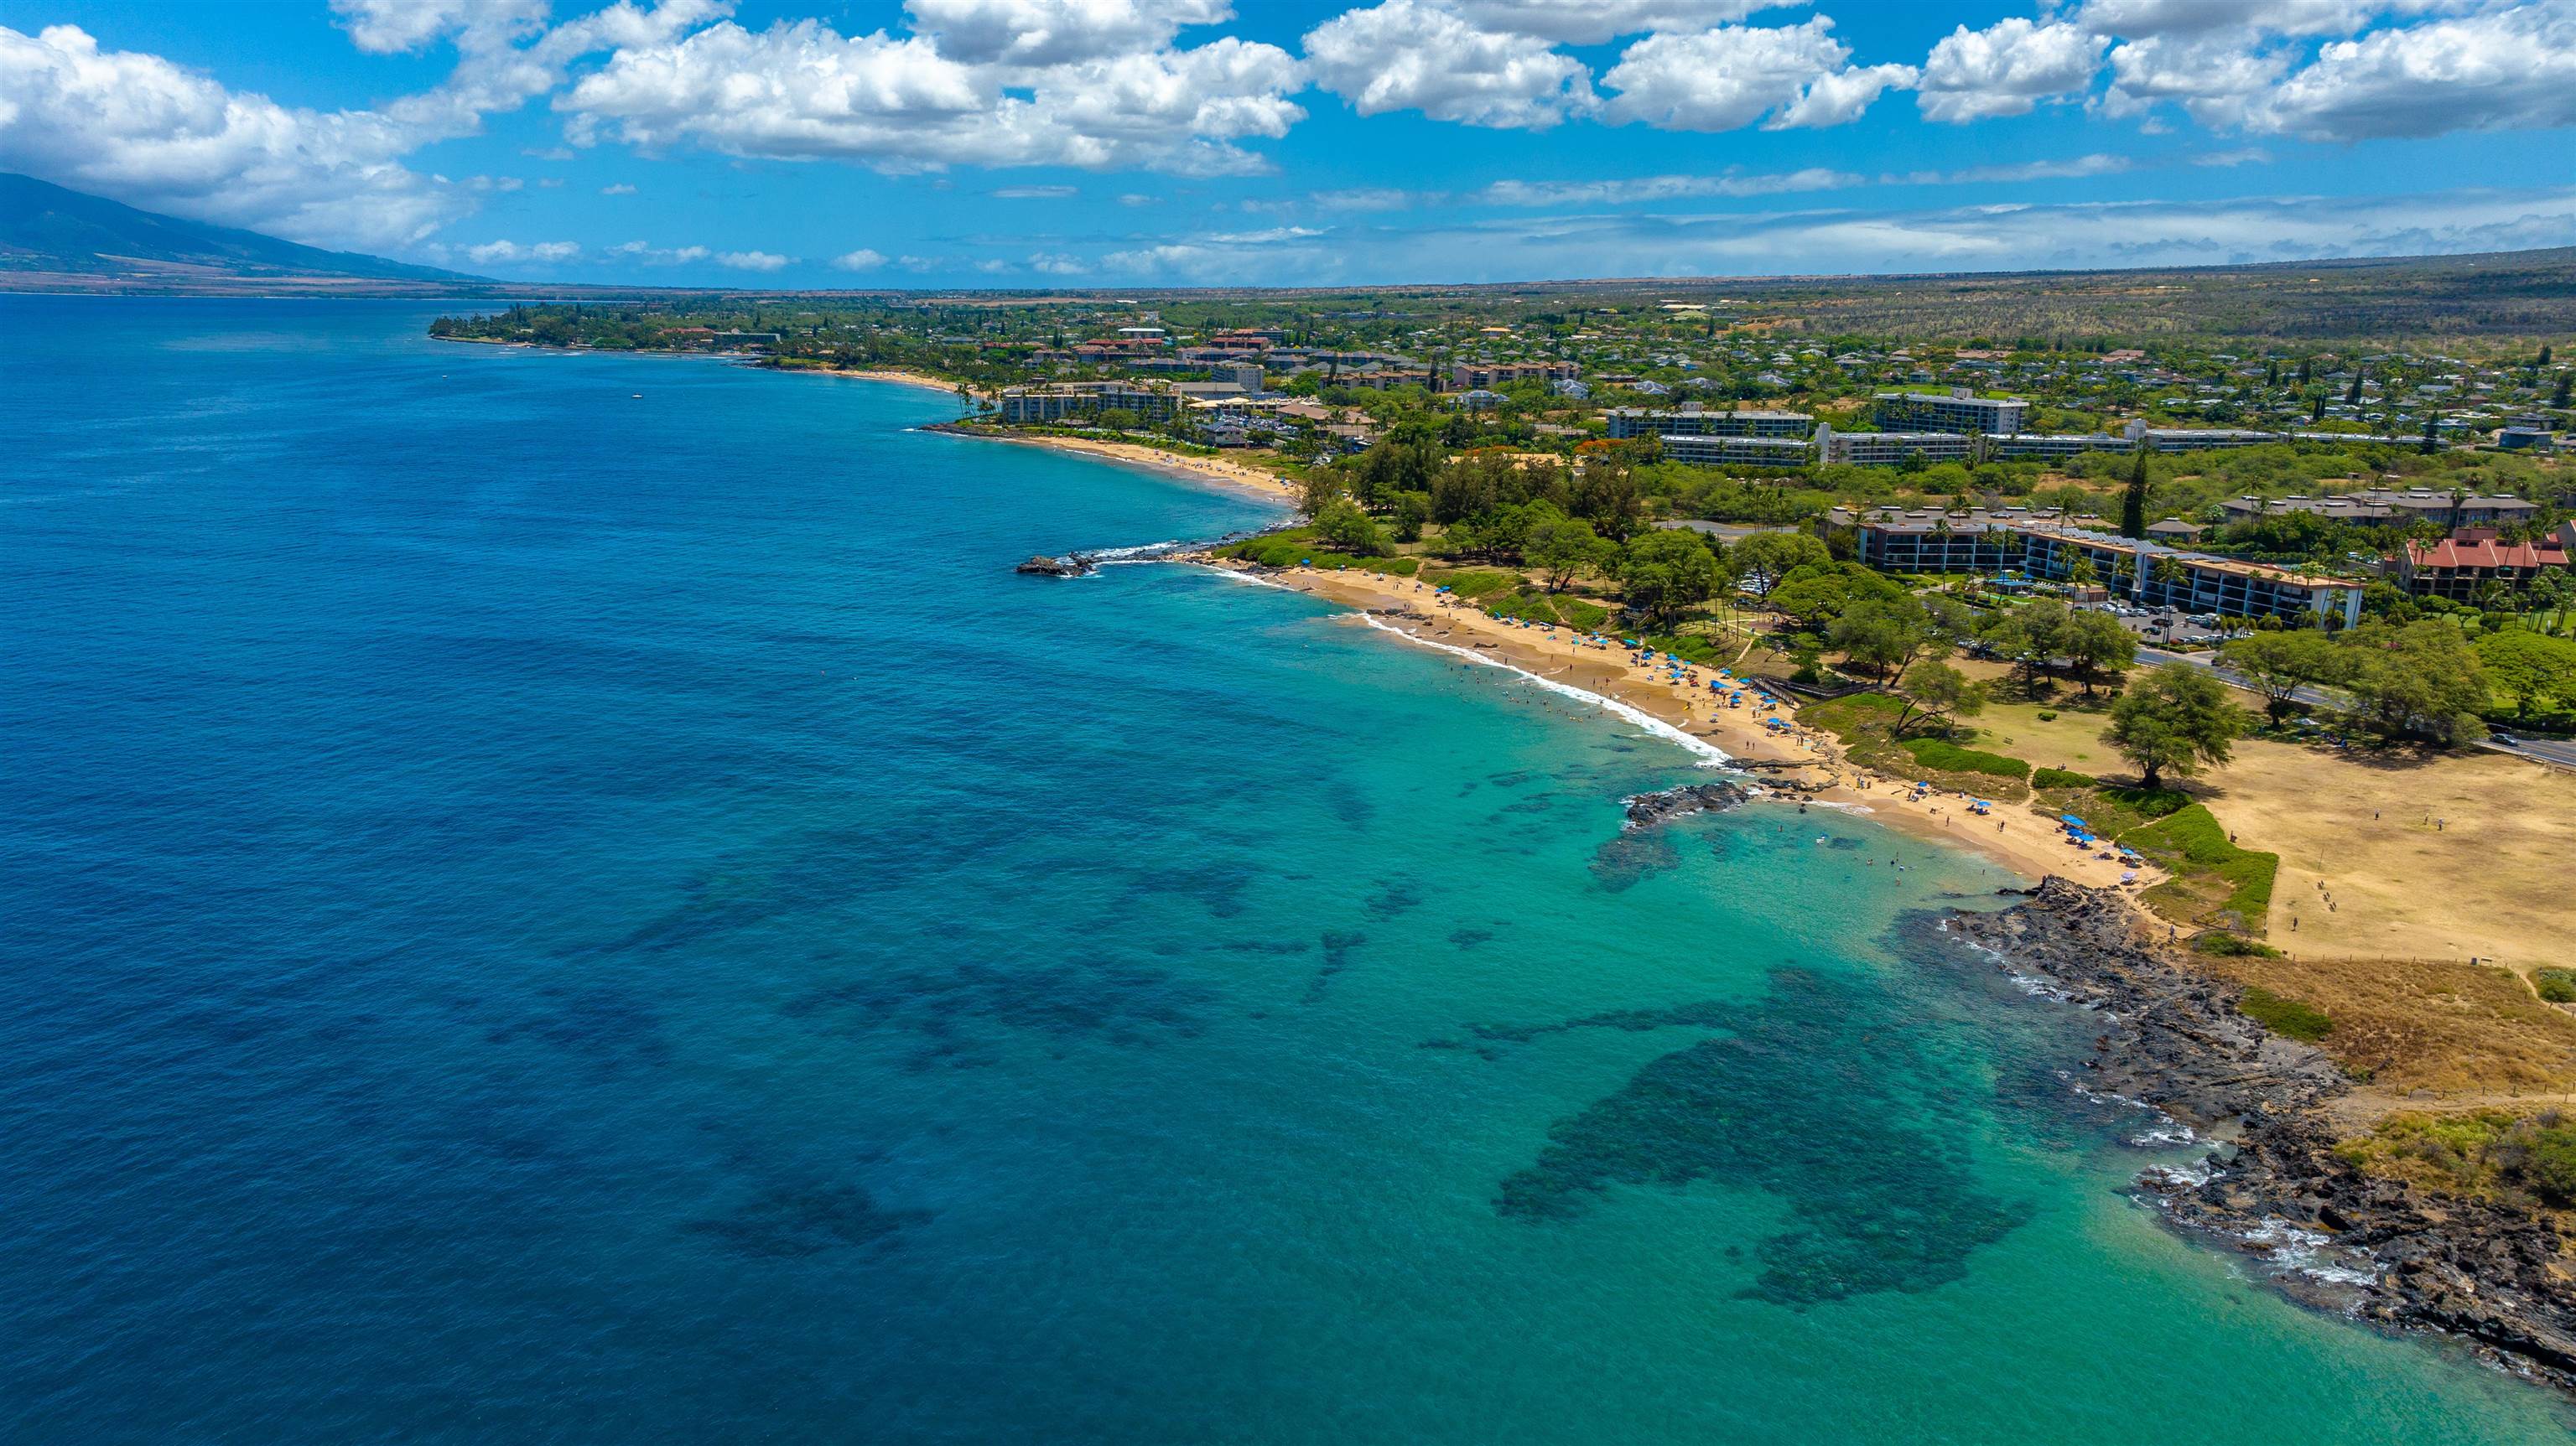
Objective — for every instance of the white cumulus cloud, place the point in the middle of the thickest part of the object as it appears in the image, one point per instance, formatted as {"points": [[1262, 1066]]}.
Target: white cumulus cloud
{"points": [[1057, 32], [753, 260], [1730, 77], [142, 130], [804, 91], [1590, 22], [2005, 69], [383, 27], [1416, 55], [863, 259], [2511, 69]]}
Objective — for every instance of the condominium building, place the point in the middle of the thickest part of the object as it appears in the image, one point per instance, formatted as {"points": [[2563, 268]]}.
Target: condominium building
{"points": [[1692, 421], [2199, 439], [1956, 410], [1065, 400], [1885, 449], [2058, 445], [2461, 565], [1709, 451], [2390, 507], [2048, 544], [1473, 375]]}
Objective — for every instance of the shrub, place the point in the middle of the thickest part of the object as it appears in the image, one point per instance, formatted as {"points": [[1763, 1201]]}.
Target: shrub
{"points": [[2287, 1017], [2551, 1164], [1532, 605], [1287, 549], [1691, 647], [1944, 757], [2060, 778], [2149, 802], [2047, 715], [2558, 986], [1476, 584], [2227, 945]]}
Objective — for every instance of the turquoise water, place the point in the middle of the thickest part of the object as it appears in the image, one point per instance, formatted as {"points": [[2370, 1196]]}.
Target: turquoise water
{"points": [[542, 915]]}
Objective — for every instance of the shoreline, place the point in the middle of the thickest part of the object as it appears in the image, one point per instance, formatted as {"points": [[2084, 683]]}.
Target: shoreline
{"points": [[2268, 1184], [1795, 764], [896, 375], [1215, 472]]}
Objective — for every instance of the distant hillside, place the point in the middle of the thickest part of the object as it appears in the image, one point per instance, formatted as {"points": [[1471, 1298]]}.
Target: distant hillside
{"points": [[2398, 299], [46, 230]]}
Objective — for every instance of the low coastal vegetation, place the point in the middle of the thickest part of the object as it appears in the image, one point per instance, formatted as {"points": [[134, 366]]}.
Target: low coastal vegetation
{"points": [[2285, 1017], [2484, 1154]]}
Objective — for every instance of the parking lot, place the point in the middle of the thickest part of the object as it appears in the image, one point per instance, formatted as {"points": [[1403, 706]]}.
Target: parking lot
{"points": [[2179, 632]]}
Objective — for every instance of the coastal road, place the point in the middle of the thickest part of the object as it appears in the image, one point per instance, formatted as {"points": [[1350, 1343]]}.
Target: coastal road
{"points": [[2556, 752]]}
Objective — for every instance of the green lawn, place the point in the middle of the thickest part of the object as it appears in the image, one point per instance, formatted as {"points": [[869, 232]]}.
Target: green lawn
{"points": [[2211, 876]]}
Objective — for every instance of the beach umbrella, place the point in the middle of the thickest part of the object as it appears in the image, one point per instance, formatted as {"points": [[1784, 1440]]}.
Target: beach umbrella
{"points": [[2070, 820]]}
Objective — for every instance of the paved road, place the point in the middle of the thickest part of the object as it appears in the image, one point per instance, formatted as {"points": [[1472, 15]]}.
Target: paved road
{"points": [[2561, 752]]}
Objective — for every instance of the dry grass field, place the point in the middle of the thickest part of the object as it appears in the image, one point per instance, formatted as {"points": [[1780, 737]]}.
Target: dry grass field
{"points": [[2450, 857], [2397, 870]]}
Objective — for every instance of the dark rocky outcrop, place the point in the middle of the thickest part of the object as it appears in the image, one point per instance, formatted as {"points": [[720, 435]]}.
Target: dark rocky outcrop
{"points": [[2326, 1233], [1648, 809], [1072, 564]]}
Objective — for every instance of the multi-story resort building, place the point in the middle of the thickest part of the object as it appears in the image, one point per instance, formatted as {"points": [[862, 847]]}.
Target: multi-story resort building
{"points": [[1061, 401], [2462, 565], [1956, 410], [1736, 450], [1887, 449], [1690, 420], [2047, 544], [2389, 507], [1469, 376]]}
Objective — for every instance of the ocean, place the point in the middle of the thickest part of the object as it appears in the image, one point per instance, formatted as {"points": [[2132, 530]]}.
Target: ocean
{"points": [[576, 898]]}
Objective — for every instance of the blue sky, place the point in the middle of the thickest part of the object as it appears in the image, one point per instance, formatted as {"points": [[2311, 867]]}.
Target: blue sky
{"points": [[1037, 143]]}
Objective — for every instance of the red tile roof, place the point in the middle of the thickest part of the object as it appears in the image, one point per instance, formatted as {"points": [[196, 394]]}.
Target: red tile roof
{"points": [[2485, 553]]}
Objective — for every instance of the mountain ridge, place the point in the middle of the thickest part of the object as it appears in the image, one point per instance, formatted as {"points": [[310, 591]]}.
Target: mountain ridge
{"points": [[54, 231]]}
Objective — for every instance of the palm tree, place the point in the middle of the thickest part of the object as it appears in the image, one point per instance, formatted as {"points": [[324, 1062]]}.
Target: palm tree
{"points": [[2167, 574]]}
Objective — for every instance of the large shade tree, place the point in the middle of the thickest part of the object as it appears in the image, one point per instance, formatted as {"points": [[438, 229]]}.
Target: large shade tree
{"points": [[2174, 721]]}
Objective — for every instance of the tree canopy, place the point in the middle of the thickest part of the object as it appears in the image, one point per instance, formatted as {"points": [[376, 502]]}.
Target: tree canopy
{"points": [[1665, 572], [2175, 720]]}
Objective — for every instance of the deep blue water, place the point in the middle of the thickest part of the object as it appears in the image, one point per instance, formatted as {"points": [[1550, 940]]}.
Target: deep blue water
{"points": [[534, 914]]}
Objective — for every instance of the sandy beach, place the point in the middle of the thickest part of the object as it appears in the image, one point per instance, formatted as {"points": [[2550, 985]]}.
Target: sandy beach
{"points": [[2013, 836], [886, 374], [1211, 471]]}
